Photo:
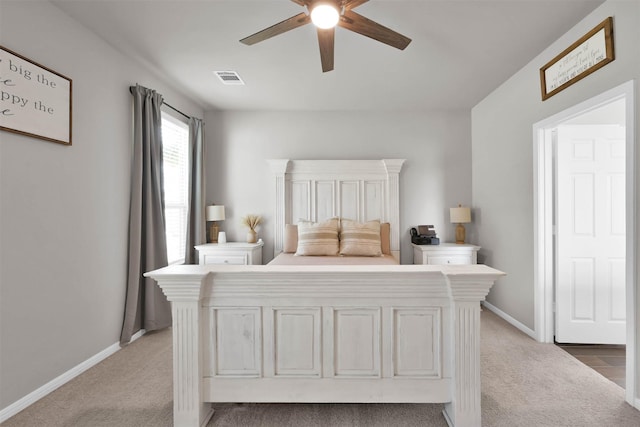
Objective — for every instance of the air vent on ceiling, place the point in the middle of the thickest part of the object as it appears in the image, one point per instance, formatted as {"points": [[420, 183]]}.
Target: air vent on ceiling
{"points": [[229, 77]]}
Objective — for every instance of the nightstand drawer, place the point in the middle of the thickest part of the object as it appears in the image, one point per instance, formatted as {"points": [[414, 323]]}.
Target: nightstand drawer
{"points": [[231, 260], [444, 260], [445, 254], [230, 253]]}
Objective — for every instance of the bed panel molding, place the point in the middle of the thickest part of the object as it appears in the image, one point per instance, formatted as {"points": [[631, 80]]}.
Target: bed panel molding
{"points": [[235, 343], [356, 342], [417, 343], [296, 340]]}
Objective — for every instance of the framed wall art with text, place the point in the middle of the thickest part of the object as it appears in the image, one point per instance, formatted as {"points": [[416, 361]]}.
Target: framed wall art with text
{"points": [[593, 51], [34, 100]]}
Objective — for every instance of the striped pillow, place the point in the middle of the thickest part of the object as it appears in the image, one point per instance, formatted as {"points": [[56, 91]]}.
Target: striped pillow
{"points": [[360, 238], [318, 238]]}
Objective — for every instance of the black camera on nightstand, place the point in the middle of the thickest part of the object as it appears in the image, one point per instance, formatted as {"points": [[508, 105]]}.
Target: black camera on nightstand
{"points": [[424, 235]]}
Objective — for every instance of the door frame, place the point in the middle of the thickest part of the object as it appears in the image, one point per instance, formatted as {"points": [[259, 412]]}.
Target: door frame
{"points": [[543, 258]]}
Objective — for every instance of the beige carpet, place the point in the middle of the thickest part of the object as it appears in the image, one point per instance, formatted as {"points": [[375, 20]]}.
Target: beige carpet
{"points": [[524, 383]]}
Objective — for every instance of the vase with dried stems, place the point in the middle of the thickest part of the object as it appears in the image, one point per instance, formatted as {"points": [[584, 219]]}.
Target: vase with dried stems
{"points": [[252, 221]]}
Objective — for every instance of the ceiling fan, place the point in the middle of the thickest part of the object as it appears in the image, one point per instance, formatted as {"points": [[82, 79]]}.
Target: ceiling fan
{"points": [[326, 14]]}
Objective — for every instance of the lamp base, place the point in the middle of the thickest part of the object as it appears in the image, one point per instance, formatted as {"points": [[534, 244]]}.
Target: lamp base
{"points": [[213, 233], [460, 234]]}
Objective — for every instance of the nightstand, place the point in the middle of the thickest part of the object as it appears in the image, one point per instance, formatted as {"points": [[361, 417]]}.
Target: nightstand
{"points": [[236, 253], [445, 253]]}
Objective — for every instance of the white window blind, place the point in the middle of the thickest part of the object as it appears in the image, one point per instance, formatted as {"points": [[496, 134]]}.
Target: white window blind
{"points": [[175, 142]]}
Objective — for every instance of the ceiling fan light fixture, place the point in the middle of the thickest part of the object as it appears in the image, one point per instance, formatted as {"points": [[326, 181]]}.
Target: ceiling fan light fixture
{"points": [[325, 15]]}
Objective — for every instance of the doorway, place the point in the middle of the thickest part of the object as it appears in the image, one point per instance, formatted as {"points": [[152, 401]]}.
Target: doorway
{"points": [[544, 224]]}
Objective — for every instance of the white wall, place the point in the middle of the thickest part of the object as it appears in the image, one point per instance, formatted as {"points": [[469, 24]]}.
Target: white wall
{"points": [[64, 210], [502, 152], [435, 177]]}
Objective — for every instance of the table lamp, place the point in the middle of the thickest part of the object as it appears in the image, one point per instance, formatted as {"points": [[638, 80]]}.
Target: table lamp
{"points": [[460, 215], [214, 213]]}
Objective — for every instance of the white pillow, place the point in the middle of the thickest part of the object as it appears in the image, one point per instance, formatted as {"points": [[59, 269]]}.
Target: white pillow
{"points": [[318, 238]]}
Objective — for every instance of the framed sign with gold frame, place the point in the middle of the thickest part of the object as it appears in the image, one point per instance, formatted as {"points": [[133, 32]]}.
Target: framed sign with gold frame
{"points": [[34, 100], [592, 51]]}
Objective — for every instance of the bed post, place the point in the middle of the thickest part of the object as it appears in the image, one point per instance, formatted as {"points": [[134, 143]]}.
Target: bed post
{"points": [[393, 167], [279, 169], [466, 292], [183, 291]]}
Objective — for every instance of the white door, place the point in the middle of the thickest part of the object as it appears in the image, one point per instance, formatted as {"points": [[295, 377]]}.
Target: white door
{"points": [[590, 234]]}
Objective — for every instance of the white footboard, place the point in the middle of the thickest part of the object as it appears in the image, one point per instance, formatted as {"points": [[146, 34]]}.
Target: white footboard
{"points": [[326, 334]]}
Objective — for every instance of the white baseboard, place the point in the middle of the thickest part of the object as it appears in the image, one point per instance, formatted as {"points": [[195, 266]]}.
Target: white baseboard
{"points": [[510, 320], [61, 380]]}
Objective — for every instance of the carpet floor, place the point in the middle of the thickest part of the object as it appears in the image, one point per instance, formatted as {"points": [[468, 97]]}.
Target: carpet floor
{"points": [[524, 383]]}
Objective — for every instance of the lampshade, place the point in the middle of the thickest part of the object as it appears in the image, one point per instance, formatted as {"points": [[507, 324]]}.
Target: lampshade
{"points": [[325, 15], [215, 213], [460, 215]]}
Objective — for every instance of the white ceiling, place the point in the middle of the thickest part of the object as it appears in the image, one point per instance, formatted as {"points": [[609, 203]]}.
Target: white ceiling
{"points": [[461, 50]]}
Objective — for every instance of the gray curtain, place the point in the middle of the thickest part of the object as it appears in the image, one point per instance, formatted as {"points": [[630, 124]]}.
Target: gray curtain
{"points": [[196, 223], [146, 307]]}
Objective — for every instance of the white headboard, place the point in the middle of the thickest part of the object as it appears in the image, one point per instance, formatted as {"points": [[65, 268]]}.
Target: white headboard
{"points": [[316, 190]]}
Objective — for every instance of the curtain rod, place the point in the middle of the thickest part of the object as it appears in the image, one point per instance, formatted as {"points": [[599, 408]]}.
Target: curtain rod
{"points": [[164, 103], [175, 109]]}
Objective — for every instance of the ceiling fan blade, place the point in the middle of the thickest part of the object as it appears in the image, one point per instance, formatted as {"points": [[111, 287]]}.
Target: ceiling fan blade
{"points": [[326, 40], [279, 28], [301, 2], [352, 4], [361, 25]]}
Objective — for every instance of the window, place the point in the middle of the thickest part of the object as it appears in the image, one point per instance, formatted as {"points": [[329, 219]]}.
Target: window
{"points": [[175, 143]]}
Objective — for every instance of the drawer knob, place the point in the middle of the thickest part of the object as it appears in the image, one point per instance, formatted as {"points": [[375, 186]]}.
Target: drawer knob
{"points": [[226, 261]]}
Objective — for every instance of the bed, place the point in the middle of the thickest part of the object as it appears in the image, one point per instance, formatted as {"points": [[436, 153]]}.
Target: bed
{"points": [[360, 329]]}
